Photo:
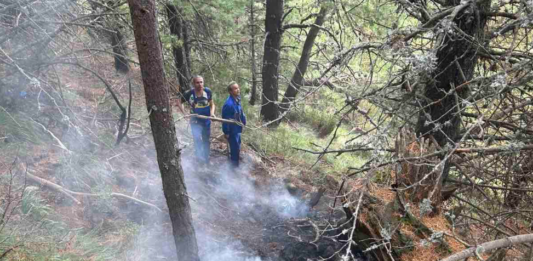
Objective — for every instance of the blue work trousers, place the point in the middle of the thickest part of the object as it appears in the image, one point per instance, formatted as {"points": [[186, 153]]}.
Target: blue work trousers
{"points": [[201, 133], [234, 140]]}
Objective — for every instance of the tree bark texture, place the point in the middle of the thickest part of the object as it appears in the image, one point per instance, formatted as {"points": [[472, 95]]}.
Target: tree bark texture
{"points": [[253, 95], [456, 61], [187, 47], [274, 15], [176, 28], [167, 147], [120, 51], [298, 76]]}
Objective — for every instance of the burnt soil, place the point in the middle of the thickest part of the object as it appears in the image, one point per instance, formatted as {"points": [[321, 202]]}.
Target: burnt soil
{"points": [[252, 213]]}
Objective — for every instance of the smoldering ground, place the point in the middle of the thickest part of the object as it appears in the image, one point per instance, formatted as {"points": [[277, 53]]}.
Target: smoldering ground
{"points": [[243, 214], [232, 213], [237, 214]]}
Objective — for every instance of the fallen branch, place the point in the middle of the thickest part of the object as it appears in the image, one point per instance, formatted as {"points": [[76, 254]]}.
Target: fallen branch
{"points": [[260, 153], [494, 149], [8, 114], [457, 239], [7, 252], [317, 230], [354, 215], [491, 245], [211, 118], [52, 186], [61, 145], [70, 193]]}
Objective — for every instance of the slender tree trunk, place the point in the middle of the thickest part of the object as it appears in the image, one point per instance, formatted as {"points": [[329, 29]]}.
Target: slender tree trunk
{"points": [[456, 60], [187, 48], [144, 20], [252, 51], [274, 14], [176, 28], [120, 51], [118, 42], [298, 76]]}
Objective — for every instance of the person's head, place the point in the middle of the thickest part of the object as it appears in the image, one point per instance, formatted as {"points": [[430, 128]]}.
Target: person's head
{"points": [[234, 89], [198, 82]]}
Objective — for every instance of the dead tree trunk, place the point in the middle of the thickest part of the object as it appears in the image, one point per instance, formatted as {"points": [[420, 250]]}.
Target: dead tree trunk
{"points": [[456, 60], [253, 95], [298, 76], [274, 15], [176, 28], [144, 20]]}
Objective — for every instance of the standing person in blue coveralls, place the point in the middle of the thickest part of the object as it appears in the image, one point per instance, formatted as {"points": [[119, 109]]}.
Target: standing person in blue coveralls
{"points": [[232, 110], [200, 99]]}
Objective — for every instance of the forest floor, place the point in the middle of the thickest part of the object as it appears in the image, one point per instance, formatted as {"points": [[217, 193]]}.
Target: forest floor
{"points": [[71, 176], [253, 213], [260, 212]]}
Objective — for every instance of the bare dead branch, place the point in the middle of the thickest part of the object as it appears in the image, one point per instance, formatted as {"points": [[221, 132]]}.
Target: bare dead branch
{"points": [[70, 194], [491, 245]]}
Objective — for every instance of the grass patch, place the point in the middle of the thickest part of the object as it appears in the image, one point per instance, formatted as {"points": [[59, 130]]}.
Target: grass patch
{"points": [[19, 127], [35, 232], [310, 126], [73, 245], [318, 112], [84, 172], [283, 141], [322, 123]]}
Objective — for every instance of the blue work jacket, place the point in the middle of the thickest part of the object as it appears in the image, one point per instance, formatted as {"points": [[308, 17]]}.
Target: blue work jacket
{"points": [[232, 110], [199, 105]]}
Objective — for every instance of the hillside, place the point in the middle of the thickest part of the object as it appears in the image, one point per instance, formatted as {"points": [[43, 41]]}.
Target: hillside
{"points": [[85, 198], [89, 199], [376, 130]]}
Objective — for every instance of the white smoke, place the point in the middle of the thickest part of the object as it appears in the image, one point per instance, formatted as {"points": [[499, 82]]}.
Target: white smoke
{"points": [[233, 191]]}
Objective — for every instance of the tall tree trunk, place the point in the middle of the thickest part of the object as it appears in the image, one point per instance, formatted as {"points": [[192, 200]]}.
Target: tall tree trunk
{"points": [[187, 48], [298, 76], [456, 60], [120, 51], [274, 15], [144, 20], [176, 28], [252, 51]]}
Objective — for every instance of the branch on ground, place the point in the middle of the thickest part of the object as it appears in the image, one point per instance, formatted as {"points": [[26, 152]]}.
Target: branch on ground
{"points": [[491, 245]]}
